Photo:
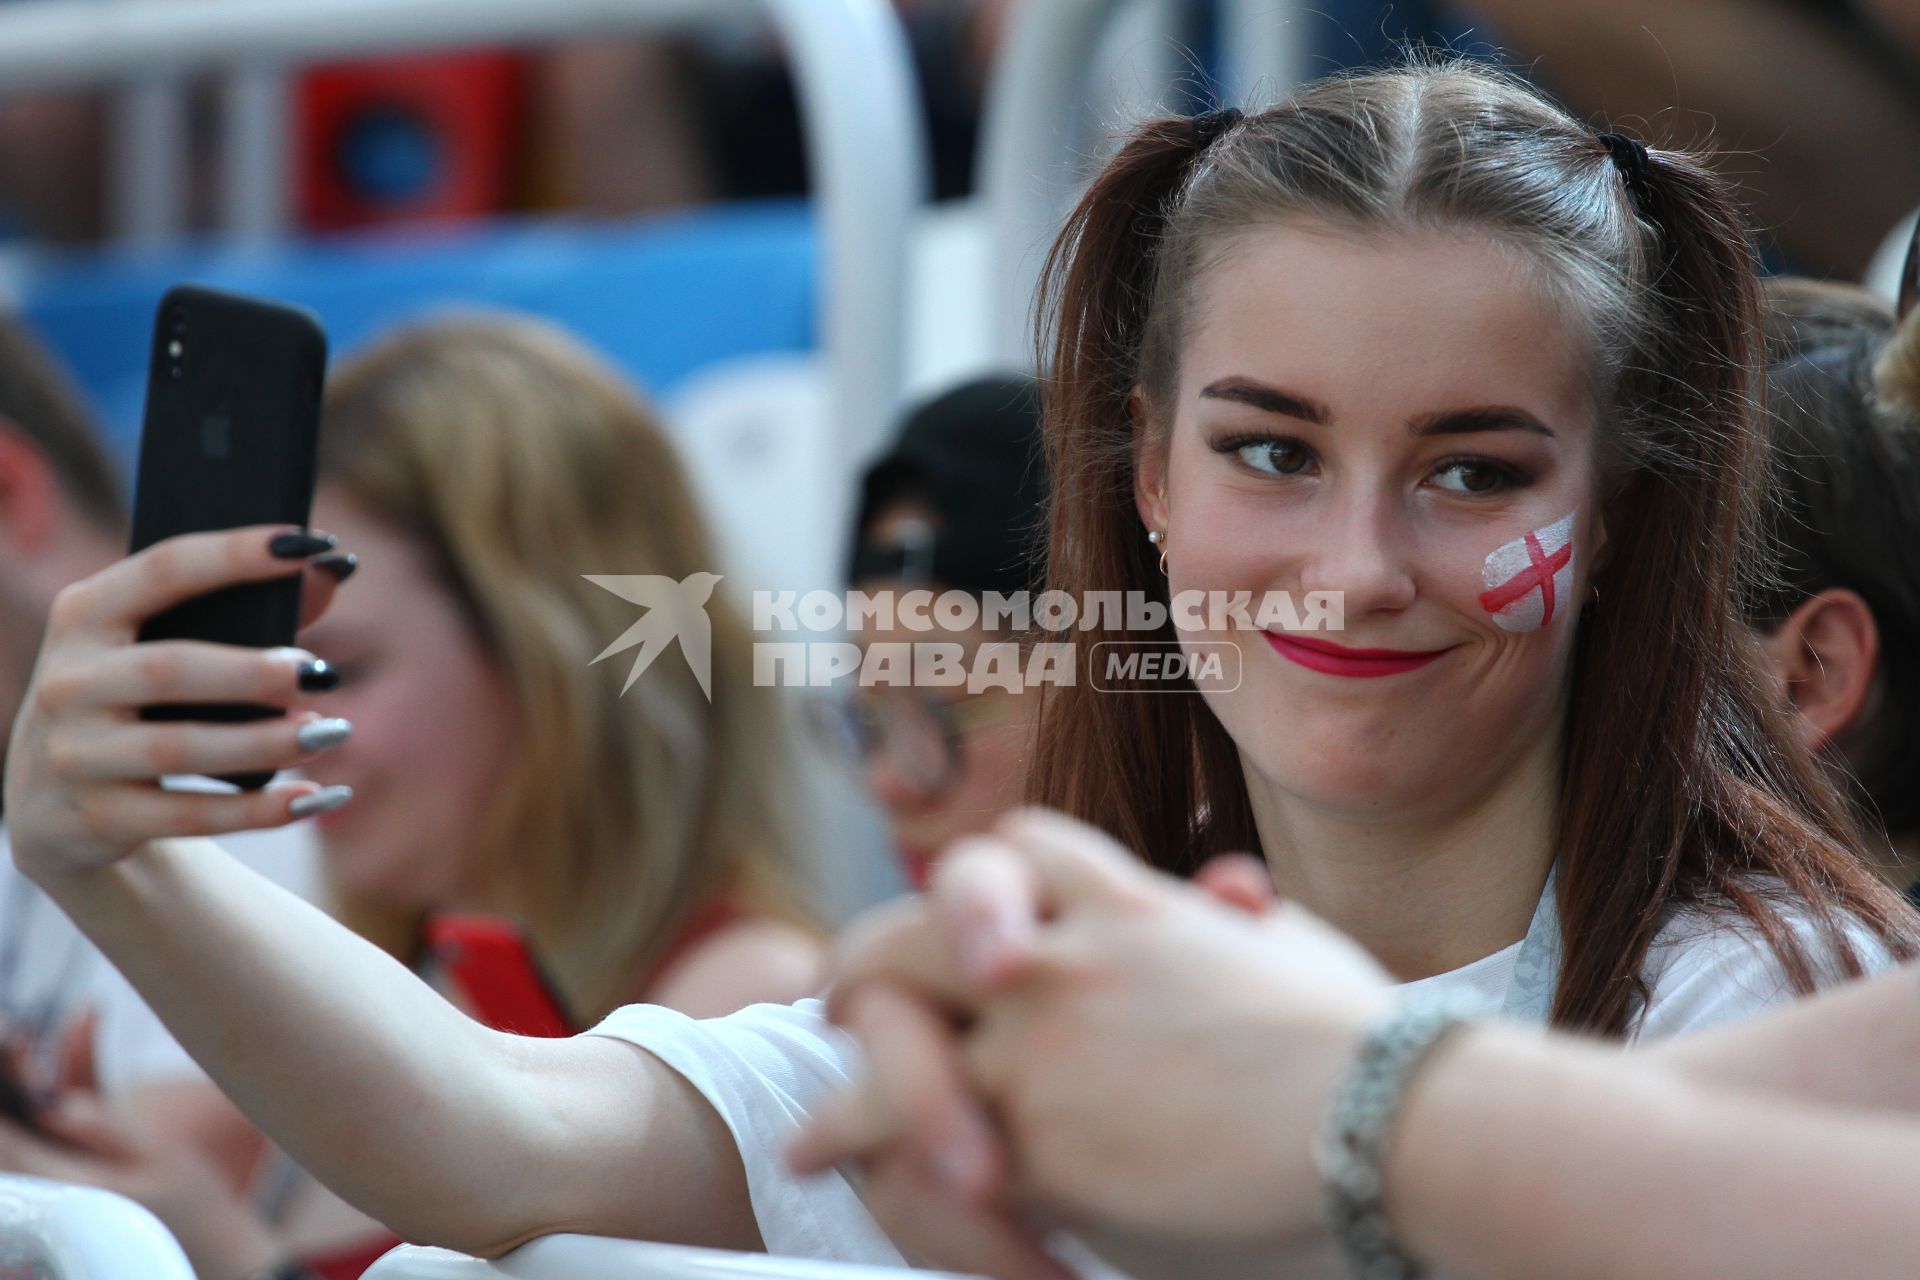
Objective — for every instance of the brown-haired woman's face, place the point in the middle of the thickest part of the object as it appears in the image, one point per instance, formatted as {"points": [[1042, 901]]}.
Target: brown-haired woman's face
{"points": [[433, 721], [1405, 421]]}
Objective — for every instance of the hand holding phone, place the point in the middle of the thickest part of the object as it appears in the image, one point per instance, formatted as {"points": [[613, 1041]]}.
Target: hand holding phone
{"points": [[232, 420]]}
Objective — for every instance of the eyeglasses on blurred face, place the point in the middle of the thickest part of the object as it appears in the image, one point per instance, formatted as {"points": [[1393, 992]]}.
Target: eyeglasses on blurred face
{"points": [[916, 735]]}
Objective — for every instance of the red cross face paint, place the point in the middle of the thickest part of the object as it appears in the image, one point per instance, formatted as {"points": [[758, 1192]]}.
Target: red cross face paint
{"points": [[1530, 580]]}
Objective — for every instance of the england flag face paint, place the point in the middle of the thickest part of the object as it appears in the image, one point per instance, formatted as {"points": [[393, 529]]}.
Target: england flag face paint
{"points": [[1530, 580]]}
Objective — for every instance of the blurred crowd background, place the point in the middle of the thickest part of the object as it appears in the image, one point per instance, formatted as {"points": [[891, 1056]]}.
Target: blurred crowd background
{"points": [[1815, 105]]}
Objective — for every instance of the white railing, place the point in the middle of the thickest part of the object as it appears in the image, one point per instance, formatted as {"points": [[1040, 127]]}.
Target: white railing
{"points": [[865, 143], [572, 1257]]}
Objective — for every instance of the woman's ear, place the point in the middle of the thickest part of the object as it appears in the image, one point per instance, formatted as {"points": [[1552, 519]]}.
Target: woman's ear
{"points": [[1601, 553], [1824, 656], [1149, 464]]}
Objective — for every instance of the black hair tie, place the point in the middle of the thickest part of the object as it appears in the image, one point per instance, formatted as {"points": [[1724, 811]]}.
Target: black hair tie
{"points": [[1209, 125], [1630, 158]]}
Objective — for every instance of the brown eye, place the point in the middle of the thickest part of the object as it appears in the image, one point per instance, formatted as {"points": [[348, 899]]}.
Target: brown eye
{"points": [[1466, 475], [1276, 457]]}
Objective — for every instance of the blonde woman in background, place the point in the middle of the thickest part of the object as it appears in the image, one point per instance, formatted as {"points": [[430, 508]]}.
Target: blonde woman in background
{"points": [[482, 467]]}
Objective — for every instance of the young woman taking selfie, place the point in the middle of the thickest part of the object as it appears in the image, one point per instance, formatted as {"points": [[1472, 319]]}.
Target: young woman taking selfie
{"points": [[1415, 336]]}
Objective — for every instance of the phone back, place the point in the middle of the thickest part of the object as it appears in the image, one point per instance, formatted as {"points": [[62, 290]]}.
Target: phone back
{"points": [[232, 415]]}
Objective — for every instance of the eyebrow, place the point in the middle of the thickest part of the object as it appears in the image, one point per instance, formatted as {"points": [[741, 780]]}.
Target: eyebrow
{"points": [[1452, 422], [1268, 398], [1492, 417]]}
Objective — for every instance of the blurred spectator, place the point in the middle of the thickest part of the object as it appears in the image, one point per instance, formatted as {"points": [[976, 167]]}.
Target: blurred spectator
{"points": [[1815, 104], [955, 504], [487, 465], [1842, 621], [52, 168]]}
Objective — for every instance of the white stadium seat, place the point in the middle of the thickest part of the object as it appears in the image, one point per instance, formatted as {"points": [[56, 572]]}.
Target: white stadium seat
{"points": [[53, 1231], [570, 1257]]}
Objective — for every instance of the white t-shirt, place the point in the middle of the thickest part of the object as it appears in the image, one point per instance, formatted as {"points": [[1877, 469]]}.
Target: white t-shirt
{"points": [[50, 972], [763, 1067], [1701, 970]]}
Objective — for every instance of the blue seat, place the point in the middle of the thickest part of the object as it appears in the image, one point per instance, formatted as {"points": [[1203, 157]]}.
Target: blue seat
{"points": [[663, 297]]}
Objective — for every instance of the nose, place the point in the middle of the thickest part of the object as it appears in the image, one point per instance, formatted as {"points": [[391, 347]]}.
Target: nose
{"points": [[1364, 550]]}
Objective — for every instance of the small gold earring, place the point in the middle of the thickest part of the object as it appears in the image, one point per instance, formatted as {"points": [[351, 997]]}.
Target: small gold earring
{"points": [[1159, 540]]}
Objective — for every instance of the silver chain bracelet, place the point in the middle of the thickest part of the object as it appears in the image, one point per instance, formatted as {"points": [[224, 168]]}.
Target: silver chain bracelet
{"points": [[1353, 1133]]}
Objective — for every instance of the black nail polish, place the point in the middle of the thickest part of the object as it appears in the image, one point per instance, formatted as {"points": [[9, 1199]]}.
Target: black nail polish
{"points": [[318, 677], [298, 546], [340, 564]]}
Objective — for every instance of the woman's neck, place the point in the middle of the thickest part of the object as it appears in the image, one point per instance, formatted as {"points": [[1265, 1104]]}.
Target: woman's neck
{"points": [[1424, 892]]}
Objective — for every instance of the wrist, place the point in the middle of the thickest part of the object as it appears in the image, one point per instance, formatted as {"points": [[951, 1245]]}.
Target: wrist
{"points": [[1294, 1065], [64, 878], [1444, 1163], [1361, 1122]]}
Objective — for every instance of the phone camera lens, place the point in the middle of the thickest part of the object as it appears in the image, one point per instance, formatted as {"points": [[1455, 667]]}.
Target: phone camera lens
{"points": [[179, 324]]}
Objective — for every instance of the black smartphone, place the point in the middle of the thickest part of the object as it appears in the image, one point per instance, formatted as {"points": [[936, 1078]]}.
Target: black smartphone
{"points": [[232, 418]]}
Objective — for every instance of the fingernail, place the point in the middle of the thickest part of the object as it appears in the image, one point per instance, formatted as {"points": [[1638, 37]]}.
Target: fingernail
{"points": [[318, 735], [318, 677], [298, 546], [340, 564], [325, 800]]}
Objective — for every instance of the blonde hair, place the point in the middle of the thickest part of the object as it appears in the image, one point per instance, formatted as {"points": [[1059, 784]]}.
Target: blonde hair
{"points": [[520, 462]]}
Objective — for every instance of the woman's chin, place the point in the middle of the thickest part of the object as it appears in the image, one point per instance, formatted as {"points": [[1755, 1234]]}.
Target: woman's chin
{"points": [[365, 873]]}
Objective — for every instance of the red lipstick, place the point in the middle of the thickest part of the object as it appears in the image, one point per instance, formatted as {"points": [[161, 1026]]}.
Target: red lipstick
{"points": [[1339, 660]]}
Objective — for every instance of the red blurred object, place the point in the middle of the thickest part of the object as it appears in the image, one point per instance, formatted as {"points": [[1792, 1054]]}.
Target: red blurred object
{"points": [[406, 139], [488, 960]]}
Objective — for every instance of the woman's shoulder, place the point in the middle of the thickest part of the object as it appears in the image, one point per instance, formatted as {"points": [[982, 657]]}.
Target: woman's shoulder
{"points": [[744, 960], [1710, 965]]}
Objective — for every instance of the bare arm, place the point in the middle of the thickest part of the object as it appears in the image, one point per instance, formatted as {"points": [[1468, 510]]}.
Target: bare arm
{"points": [[445, 1130], [1855, 1046], [1520, 1156]]}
